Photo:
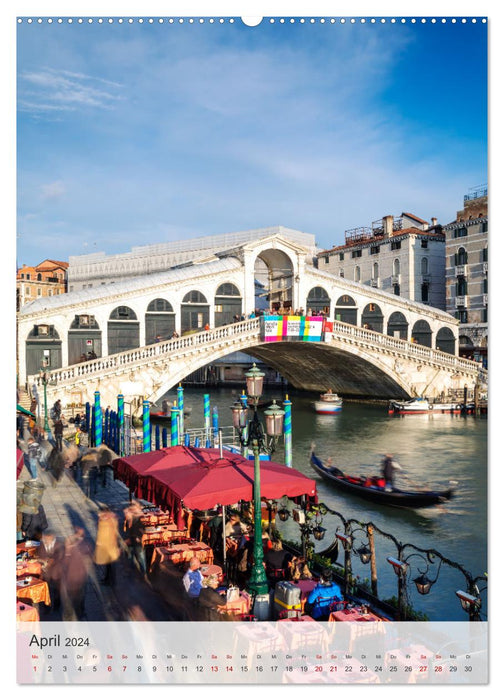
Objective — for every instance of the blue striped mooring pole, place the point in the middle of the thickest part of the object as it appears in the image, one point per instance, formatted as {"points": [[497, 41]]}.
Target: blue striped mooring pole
{"points": [[146, 425], [174, 425], [98, 420], [288, 431]]}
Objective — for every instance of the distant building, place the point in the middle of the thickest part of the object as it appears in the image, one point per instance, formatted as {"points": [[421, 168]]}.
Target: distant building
{"points": [[404, 255], [97, 269], [44, 280], [467, 273]]}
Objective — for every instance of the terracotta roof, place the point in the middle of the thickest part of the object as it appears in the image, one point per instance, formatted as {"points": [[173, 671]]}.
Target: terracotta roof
{"points": [[51, 264], [378, 239], [412, 216]]}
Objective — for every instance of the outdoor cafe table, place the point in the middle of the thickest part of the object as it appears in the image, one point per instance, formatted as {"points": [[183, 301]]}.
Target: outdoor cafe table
{"points": [[303, 631], [354, 615], [157, 535], [25, 548], [156, 516], [32, 567], [212, 570], [33, 588], [179, 553], [241, 606], [26, 613]]}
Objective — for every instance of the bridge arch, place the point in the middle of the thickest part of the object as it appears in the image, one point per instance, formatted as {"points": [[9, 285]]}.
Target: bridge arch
{"points": [[421, 333], [84, 339], [123, 330], [318, 300], [194, 311], [228, 304], [274, 270], [372, 318], [397, 325], [159, 320]]}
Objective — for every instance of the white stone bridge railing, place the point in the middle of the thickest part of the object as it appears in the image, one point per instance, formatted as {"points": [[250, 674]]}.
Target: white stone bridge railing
{"points": [[240, 336]]}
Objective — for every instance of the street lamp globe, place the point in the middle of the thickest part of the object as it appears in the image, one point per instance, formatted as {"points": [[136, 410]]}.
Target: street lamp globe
{"points": [[239, 412], [274, 420], [254, 378]]}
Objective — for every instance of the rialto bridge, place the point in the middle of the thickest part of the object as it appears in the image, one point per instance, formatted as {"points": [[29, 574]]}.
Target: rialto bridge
{"points": [[143, 335]]}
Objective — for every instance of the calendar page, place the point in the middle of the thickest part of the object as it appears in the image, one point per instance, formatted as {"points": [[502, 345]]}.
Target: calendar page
{"points": [[251, 348]]}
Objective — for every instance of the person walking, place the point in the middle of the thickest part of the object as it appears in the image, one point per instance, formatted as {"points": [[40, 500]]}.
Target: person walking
{"points": [[107, 550], [76, 569], [58, 433], [133, 532], [52, 555]]}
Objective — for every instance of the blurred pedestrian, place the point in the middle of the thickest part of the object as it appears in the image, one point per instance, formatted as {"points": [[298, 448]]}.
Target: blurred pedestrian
{"points": [[209, 600], [52, 554], [193, 579], [32, 457], [34, 524], [133, 532], [58, 433], [76, 569], [107, 550]]}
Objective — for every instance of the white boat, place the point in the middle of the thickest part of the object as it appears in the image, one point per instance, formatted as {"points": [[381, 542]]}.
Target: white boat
{"points": [[263, 456], [420, 406], [329, 403]]}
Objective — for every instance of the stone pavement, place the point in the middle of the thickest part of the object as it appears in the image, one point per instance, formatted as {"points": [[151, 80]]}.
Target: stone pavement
{"points": [[67, 506]]}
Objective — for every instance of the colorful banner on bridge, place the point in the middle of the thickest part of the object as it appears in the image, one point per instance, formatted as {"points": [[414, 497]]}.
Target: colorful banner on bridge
{"points": [[276, 328]]}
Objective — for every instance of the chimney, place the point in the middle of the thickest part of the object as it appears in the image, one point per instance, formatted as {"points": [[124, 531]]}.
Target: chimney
{"points": [[434, 221], [388, 225]]}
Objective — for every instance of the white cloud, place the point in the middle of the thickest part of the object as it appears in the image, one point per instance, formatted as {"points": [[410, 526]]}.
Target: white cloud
{"points": [[52, 190]]}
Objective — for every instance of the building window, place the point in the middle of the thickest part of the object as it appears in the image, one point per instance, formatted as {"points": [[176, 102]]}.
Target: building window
{"points": [[397, 290], [357, 274], [461, 257], [485, 286], [425, 266], [342, 256], [395, 245], [485, 254], [28, 276], [39, 292], [460, 232], [461, 315], [396, 268], [484, 316], [356, 253], [484, 227], [424, 244], [326, 260], [425, 293], [374, 250], [461, 286], [376, 271], [341, 272]]}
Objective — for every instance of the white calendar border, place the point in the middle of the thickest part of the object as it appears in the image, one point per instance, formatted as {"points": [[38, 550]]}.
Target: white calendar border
{"points": [[277, 8]]}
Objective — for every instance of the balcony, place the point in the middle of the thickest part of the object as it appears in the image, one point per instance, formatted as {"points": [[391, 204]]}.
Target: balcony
{"points": [[461, 301], [395, 279], [426, 279], [485, 299], [461, 270], [375, 283], [485, 268]]}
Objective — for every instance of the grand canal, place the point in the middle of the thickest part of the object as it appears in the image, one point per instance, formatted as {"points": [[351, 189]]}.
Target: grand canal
{"points": [[433, 450]]}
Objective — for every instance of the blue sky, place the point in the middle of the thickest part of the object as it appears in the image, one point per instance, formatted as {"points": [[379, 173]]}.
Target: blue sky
{"points": [[141, 133]]}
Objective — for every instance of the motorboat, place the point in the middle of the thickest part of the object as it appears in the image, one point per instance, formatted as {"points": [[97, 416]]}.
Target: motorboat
{"points": [[328, 403], [420, 406]]}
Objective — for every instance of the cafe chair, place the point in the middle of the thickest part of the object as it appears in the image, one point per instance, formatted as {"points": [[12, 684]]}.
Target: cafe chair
{"points": [[284, 614], [275, 574], [338, 605]]}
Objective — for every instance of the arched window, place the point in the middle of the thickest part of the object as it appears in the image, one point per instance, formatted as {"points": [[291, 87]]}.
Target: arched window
{"points": [[396, 267], [318, 300], [397, 326], [425, 266], [341, 272], [372, 318], [357, 274], [227, 304], [461, 257], [159, 321], [123, 330], [422, 334], [345, 310], [376, 271], [39, 277], [194, 297]]}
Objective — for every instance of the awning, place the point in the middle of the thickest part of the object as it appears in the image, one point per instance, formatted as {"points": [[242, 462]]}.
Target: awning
{"points": [[20, 409], [199, 479]]}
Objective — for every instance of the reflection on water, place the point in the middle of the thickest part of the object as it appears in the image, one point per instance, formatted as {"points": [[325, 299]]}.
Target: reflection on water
{"points": [[433, 450]]}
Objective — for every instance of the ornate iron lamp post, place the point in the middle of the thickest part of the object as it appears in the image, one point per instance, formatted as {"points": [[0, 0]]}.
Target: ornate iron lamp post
{"points": [[252, 435], [45, 380]]}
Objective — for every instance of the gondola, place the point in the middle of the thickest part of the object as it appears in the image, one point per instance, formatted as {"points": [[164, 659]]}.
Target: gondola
{"points": [[372, 489]]}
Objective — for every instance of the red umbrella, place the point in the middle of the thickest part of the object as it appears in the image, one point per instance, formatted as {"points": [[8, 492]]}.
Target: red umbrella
{"points": [[200, 479]]}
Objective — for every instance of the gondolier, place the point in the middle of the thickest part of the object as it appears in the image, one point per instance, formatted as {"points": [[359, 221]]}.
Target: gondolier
{"points": [[389, 468]]}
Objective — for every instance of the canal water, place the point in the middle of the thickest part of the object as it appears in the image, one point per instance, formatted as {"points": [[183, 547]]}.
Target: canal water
{"points": [[432, 450]]}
